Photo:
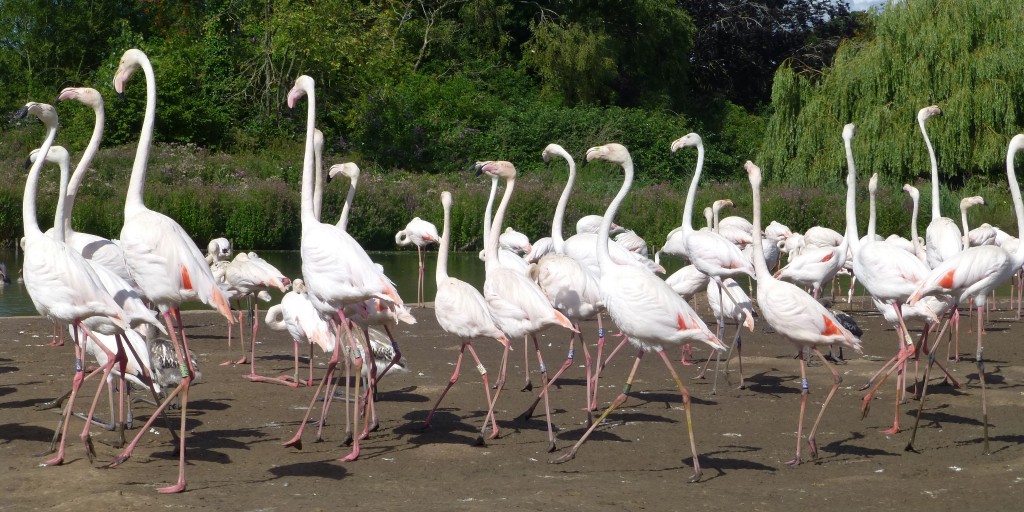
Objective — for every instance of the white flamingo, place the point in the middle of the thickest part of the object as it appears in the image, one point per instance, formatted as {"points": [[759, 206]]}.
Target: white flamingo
{"points": [[420, 233], [642, 306], [164, 260]]}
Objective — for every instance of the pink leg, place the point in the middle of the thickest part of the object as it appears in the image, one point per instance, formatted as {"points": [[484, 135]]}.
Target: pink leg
{"points": [[296, 440], [836, 381], [528, 384], [804, 391], [526, 415]]}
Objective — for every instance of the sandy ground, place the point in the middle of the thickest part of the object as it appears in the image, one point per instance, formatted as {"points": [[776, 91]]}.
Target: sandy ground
{"points": [[638, 460]]}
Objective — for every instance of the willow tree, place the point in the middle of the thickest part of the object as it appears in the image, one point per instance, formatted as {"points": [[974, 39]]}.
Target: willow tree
{"points": [[962, 55]]}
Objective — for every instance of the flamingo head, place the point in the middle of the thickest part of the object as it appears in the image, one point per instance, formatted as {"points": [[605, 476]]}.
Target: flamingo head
{"points": [[927, 112], [612, 152], [43, 111], [849, 130], [299, 286], [690, 140], [446, 199], [131, 61], [303, 84], [553, 150], [85, 95], [56, 155], [912, 190], [721, 203], [873, 183], [496, 169], [753, 173], [968, 202], [347, 169]]}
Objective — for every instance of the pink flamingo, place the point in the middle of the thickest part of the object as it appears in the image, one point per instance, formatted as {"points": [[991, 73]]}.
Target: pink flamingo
{"points": [[643, 307], [796, 315]]}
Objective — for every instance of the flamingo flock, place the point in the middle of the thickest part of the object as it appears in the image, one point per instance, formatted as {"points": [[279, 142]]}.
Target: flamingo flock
{"points": [[116, 298]]}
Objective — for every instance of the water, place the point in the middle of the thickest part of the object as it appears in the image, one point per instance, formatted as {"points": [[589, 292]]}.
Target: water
{"points": [[400, 266]]}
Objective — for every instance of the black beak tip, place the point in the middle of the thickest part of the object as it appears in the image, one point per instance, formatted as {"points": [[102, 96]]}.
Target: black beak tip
{"points": [[21, 113], [28, 162], [329, 178], [120, 95]]}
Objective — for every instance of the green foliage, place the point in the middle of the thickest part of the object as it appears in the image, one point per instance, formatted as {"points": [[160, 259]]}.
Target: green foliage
{"points": [[962, 55]]}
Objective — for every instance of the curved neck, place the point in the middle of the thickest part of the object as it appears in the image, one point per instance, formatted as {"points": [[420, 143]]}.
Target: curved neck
{"points": [[563, 200], [936, 213], [83, 166], [307, 214], [28, 201], [499, 216], [604, 259], [487, 213], [851, 199], [441, 271], [1018, 205], [343, 220], [913, 226], [691, 193], [138, 180]]}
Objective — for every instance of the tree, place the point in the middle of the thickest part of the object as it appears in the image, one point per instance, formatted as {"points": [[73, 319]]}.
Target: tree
{"points": [[962, 55], [740, 43]]}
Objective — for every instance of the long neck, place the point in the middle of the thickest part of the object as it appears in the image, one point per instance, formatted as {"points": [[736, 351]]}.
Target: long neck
{"points": [[871, 214], [307, 214], [441, 271], [936, 212], [963, 220], [691, 193], [851, 199], [714, 218], [28, 201], [499, 216], [343, 221], [563, 200], [318, 176], [604, 259], [913, 222], [1018, 205], [487, 213], [138, 180], [83, 166], [757, 253], [59, 221]]}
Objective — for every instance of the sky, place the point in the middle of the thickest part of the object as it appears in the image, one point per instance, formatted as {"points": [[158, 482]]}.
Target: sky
{"points": [[863, 5]]}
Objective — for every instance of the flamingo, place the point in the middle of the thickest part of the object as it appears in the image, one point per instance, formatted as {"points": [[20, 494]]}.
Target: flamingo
{"points": [[725, 309], [337, 270], [506, 257], [96, 249], [420, 233], [518, 305], [245, 276], [219, 249], [297, 315], [795, 314], [568, 285], [351, 171], [976, 271], [461, 310], [592, 223], [915, 197], [942, 237], [642, 306], [164, 260], [61, 284], [966, 204], [708, 251], [515, 241], [632, 241]]}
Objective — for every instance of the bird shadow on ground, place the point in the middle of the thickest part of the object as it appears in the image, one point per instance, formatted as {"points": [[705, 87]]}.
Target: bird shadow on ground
{"points": [[933, 416], [227, 438], [843, 447], [319, 469], [21, 432], [763, 383], [402, 395], [208, 405], [9, 369], [721, 463], [445, 427], [1010, 440], [669, 398], [31, 402], [7, 390]]}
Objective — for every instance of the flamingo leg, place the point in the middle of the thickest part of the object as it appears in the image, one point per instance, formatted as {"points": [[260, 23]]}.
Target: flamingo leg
{"points": [[598, 364], [804, 391], [689, 419], [528, 385], [526, 415], [76, 384], [924, 388], [980, 361], [296, 440], [571, 454], [112, 359], [837, 379]]}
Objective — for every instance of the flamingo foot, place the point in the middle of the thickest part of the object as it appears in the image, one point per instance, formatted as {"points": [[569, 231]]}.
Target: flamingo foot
{"points": [[895, 429], [479, 441], [528, 386], [865, 406], [347, 441], [90, 450], [551, 447], [812, 446], [350, 457], [295, 442], [56, 461], [423, 427], [494, 434], [794, 462], [172, 489], [565, 458]]}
